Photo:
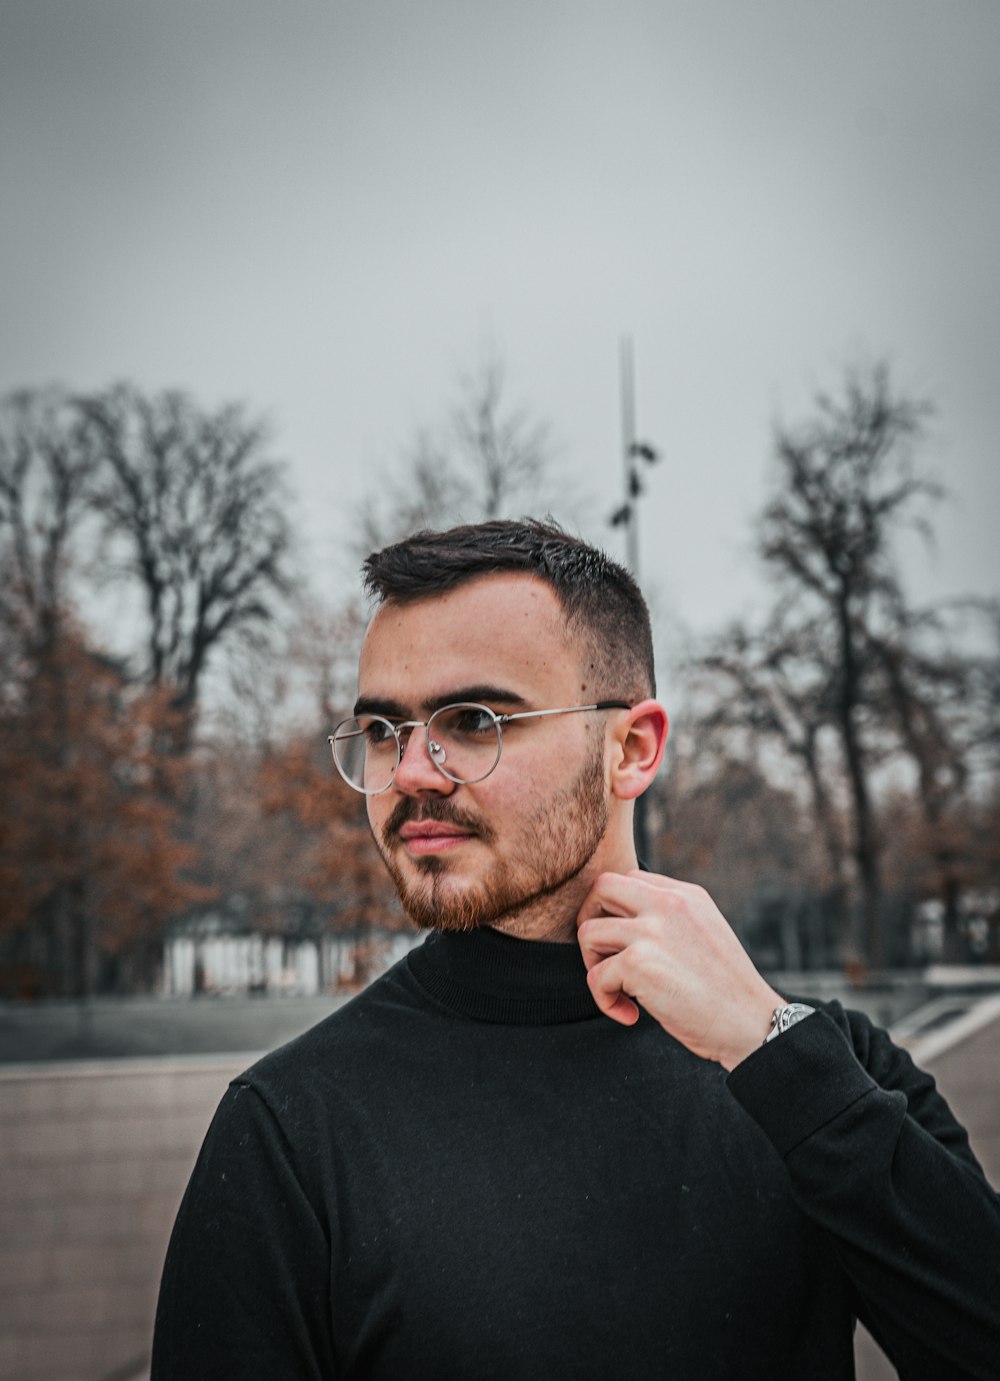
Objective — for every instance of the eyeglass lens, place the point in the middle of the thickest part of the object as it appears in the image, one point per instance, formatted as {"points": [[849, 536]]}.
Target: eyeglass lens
{"points": [[464, 745]]}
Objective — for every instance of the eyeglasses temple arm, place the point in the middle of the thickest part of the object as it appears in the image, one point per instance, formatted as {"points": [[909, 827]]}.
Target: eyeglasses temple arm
{"points": [[570, 709]]}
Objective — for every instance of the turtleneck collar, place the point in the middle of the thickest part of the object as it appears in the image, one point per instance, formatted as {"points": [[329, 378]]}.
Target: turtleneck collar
{"points": [[493, 977]]}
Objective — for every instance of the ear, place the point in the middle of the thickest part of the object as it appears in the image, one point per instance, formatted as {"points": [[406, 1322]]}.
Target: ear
{"points": [[641, 736]]}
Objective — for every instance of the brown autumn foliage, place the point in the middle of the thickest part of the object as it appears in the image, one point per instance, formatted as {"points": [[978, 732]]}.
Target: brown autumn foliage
{"points": [[91, 858], [334, 861]]}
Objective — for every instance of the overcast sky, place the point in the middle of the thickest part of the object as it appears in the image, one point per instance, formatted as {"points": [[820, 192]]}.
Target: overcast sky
{"points": [[328, 209]]}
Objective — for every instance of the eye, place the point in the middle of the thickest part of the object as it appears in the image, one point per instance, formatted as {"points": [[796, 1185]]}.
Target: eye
{"points": [[474, 721], [377, 732]]}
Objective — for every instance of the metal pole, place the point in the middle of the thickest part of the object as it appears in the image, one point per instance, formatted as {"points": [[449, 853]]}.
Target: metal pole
{"points": [[628, 456], [640, 820]]}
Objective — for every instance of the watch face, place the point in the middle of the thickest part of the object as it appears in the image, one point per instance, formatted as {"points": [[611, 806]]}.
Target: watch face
{"points": [[787, 1016], [795, 1011]]}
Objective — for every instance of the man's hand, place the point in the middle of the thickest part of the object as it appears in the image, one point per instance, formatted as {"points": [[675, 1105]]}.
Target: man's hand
{"points": [[666, 944]]}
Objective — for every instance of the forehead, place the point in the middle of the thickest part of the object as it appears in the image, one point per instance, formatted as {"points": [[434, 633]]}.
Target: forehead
{"points": [[506, 630]]}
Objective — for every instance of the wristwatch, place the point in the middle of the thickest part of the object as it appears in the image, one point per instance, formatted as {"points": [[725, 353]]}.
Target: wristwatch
{"points": [[784, 1017]]}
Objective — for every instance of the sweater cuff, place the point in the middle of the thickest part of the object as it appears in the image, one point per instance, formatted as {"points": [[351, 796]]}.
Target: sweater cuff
{"points": [[800, 1081]]}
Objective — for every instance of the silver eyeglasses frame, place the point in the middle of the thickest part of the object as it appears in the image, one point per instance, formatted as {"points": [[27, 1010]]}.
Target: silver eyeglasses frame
{"points": [[433, 751]]}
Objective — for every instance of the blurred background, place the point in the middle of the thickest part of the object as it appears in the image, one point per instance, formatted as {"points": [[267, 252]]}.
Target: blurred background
{"points": [[715, 286]]}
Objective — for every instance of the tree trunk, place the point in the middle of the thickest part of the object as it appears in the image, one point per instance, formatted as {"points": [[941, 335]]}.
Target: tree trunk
{"points": [[865, 840]]}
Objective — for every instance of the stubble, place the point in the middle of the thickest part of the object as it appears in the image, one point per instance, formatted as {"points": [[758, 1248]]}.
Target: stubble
{"points": [[554, 846]]}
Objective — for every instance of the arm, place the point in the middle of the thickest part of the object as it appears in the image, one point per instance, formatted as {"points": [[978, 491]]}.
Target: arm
{"points": [[875, 1158], [245, 1289]]}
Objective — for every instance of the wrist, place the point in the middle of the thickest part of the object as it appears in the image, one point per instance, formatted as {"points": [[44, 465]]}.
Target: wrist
{"points": [[753, 1029]]}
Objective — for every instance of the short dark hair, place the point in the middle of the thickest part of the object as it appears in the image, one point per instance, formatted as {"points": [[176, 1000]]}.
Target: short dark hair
{"points": [[600, 597]]}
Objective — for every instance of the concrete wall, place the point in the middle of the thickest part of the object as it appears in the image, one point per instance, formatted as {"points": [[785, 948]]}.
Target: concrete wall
{"points": [[95, 1159]]}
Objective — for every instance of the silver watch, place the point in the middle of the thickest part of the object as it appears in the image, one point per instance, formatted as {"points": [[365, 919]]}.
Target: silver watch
{"points": [[784, 1017]]}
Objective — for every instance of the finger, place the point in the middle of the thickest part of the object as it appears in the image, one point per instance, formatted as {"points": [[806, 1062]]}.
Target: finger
{"points": [[659, 880], [613, 894], [601, 936], [605, 983]]}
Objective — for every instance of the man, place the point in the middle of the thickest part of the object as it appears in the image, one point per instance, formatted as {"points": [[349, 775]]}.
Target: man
{"points": [[575, 1133]]}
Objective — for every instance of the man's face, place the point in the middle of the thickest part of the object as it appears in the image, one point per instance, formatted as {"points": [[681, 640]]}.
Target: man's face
{"points": [[465, 855]]}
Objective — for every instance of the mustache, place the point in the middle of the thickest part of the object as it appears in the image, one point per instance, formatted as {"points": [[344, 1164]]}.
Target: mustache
{"points": [[441, 811]]}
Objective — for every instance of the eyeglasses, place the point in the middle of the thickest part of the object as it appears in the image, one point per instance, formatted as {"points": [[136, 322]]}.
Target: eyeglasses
{"points": [[464, 742]]}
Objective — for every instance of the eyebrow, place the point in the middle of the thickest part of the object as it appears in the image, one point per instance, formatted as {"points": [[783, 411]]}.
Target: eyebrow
{"points": [[480, 695]]}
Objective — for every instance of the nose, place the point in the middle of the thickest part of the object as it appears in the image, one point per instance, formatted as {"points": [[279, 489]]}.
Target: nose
{"points": [[416, 774]]}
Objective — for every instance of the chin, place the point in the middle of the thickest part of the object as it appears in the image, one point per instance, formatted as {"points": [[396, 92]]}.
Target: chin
{"points": [[436, 898]]}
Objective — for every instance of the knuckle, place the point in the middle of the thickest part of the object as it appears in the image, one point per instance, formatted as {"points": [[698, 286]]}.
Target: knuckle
{"points": [[651, 922], [688, 901], [644, 951], [597, 979]]}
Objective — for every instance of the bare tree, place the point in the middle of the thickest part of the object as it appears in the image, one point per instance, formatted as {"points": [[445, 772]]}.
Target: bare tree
{"points": [[195, 507], [938, 699], [773, 690], [828, 668], [489, 460], [47, 466], [90, 858], [508, 453], [303, 683], [846, 485]]}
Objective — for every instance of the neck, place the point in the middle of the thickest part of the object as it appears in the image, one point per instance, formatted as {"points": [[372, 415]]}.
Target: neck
{"points": [[554, 917]]}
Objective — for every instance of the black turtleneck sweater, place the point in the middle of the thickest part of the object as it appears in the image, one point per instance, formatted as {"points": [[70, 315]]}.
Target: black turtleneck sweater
{"points": [[468, 1172]]}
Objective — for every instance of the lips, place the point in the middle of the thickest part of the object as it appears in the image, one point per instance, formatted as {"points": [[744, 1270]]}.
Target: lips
{"points": [[433, 836], [425, 828]]}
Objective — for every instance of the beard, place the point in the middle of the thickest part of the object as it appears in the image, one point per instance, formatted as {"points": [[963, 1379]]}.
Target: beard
{"points": [[555, 845]]}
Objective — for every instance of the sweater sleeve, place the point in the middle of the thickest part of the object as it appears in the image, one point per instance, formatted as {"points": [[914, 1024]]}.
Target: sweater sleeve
{"points": [[245, 1288], [878, 1162]]}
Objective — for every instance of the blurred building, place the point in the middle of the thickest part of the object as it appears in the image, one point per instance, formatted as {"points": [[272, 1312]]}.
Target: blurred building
{"points": [[217, 951]]}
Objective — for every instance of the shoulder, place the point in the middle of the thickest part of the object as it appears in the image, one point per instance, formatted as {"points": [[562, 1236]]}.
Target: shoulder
{"points": [[289, 1107], [343, 1049]]}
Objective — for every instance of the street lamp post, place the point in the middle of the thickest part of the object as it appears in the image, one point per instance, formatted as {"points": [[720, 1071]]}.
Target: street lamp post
{"points": [[634, 454]]}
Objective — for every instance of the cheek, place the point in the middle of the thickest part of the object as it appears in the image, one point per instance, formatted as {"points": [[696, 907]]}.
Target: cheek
{"points": [[552, 758], [377, 813], [513, 803]]}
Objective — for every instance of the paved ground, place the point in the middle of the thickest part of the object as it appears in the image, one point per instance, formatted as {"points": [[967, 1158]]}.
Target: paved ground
{"points": [[968, 1074]]}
